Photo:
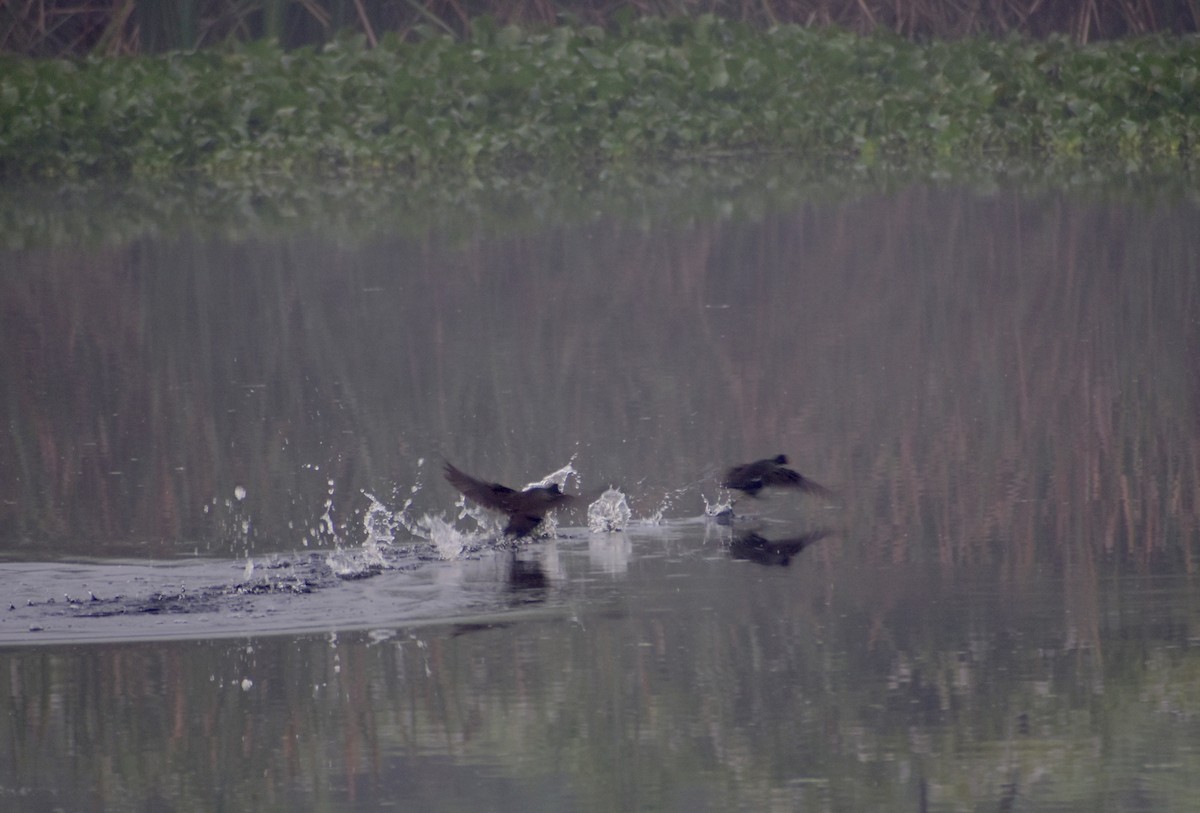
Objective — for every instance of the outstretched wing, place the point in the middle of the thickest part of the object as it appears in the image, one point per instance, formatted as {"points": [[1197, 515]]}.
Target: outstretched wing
{"points": [[490, 495], [747, 477], [754, 477], [808, 486]]}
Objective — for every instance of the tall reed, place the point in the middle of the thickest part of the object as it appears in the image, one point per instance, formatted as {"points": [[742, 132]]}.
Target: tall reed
{"points": [[72, 27]]}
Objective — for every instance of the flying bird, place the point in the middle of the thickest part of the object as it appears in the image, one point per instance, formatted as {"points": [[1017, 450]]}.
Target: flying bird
{"points": [[525, 509], [752, 478]]}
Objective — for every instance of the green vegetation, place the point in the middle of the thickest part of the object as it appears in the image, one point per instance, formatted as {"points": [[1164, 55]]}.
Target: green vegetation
{"points": [[576, 96]]}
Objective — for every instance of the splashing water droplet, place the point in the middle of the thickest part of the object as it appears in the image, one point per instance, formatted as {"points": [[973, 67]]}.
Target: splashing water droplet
{"points": [[378, 523], [610, 512], [718, 506], [449, 541], [558, 478]]}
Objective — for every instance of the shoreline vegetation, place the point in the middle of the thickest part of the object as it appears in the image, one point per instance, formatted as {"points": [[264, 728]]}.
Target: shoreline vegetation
{"points": [[116, 212], [102, 27], [508, 99]]}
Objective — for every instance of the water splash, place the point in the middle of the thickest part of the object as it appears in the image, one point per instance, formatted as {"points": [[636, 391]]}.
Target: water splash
{"points": [[610, 512], [657, 517], [325, 528], [354, 564], [384, 521], [485, 521], [379, 522], [232, 520], [379, 533], [720, 505], [558, 477], [448, 541]]}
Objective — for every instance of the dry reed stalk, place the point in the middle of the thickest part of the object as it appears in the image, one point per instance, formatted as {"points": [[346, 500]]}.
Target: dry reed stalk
{"points": [[368, 30], [55, 27], [321, 15], [116, 38]]}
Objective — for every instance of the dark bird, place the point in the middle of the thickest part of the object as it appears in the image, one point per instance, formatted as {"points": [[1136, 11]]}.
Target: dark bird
{"points": [[525, 509], [752, 478], [754, 547]]}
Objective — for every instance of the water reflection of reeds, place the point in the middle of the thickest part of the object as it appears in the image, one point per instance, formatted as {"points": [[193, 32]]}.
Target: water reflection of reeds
{"points": [[646, 696], [987, 377]]}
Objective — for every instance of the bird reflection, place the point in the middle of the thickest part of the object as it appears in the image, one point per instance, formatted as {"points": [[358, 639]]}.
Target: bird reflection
{"points": [[772, 472], [754, 547], [526, 575], [525, 509]]}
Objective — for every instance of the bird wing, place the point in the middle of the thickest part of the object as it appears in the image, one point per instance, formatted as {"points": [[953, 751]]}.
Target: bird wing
{"points": [[746, 477], [810, 487], [782, 477], [490, 495], [564, 499]]}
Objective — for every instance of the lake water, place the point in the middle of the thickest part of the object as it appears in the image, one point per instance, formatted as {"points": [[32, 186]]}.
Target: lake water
{"points": [[234, 578]]}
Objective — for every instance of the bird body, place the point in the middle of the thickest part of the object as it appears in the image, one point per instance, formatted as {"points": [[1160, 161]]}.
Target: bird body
{"points": [[751, 478], [525, 509]]}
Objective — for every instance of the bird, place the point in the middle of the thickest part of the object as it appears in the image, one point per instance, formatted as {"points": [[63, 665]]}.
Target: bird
{"points": [[751, 478], [754, 547], [525, 509]]}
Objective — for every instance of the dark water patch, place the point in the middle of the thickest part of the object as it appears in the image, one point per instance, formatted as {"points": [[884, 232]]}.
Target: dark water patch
{"points": [[257, 596], [832, 682], [344, 588]]}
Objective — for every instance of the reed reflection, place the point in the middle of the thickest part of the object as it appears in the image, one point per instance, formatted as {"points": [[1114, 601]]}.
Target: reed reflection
{"points": [[991, 378]]}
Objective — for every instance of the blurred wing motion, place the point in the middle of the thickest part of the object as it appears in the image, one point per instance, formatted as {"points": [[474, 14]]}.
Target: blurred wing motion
{"points": [[525, 509], [490, 495], [772, 472]]}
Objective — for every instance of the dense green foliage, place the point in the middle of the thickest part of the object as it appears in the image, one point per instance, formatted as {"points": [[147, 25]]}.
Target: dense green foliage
{"points": [[575, 96]]}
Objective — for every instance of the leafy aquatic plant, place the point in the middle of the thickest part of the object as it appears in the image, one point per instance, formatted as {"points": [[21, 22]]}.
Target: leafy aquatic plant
{"points": [[577, 95]]}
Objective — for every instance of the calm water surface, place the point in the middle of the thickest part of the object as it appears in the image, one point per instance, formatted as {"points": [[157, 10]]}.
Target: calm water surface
{"points": [[233, 577]]}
